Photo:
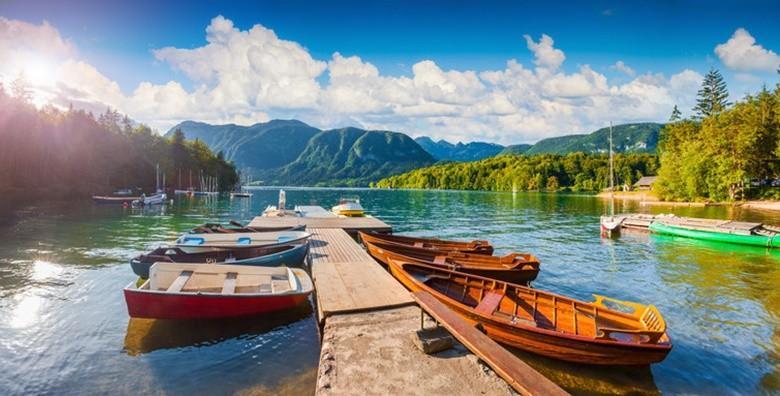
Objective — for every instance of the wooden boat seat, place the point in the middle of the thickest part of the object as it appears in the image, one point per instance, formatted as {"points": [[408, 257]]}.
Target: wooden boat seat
{"points": [[179, 282], [419, 244], [652, 323], [490, 302], [230, 283], [440, 260]]}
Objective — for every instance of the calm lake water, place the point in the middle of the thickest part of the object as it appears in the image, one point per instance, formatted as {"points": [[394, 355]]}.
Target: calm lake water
{"points": [[64, 327]]}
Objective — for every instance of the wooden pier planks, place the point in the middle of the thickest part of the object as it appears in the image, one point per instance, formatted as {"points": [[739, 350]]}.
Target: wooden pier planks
{"points": [[522, 377], [347, 279], [349, 224]]}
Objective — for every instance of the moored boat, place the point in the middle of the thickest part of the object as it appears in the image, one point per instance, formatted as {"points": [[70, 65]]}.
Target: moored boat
{"points": [[196, 242], [235, 227], [753, 234], [289, 255], [546, 323], [477, 247], [349, 207], [514, 267], [206, 291], [107, 199]]}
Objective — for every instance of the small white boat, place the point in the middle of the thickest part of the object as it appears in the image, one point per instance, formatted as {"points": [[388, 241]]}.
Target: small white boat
{"points": [[201, 242], [240, 194], [280, 210], [349, 207], [157, 199]]}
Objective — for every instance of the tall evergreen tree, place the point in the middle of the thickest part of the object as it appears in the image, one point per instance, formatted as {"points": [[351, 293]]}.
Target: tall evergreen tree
{"points": [[713, 95], [676, 115]]}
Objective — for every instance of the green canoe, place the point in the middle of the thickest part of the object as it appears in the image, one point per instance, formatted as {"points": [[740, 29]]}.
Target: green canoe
{"points": [[717, 236]]}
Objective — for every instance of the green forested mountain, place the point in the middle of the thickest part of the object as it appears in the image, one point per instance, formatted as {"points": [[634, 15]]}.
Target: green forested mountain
{"points": [[351, 156], [257, 147], [550, 172], [293, 153], [446, 151], [639, 138]]}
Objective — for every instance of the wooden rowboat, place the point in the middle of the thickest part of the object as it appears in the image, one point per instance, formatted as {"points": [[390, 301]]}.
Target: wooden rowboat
{"points": [[206, 291], [477, 247], [546, 323], [236, 227], [513, 268], [289, 255], [192, 243]]}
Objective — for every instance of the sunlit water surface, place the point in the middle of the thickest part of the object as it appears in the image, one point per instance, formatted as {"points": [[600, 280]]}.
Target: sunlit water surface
{"points": [[64, 327]]}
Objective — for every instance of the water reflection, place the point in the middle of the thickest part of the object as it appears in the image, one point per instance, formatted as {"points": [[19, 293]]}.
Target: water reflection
{"points": [[62, 269], [147, 335]]}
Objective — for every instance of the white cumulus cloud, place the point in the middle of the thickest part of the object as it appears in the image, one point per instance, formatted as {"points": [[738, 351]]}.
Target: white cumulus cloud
{"points": [[742, 53], [249, 76], [623, 68]]}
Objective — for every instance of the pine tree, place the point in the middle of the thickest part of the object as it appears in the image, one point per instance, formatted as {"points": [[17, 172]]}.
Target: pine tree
{"points": [[713, 95], [676, 115]]}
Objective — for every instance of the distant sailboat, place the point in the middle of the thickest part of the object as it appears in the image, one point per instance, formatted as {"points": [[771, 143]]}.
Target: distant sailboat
{"points": [[610, 224], [159, 197]]}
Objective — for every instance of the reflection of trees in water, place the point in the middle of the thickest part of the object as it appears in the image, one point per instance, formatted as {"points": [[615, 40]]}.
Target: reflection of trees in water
{"points": [[147, 335]]}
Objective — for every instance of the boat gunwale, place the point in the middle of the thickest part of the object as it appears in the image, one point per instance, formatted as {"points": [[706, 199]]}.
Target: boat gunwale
{"points": [[534, 329], [307, 287]]}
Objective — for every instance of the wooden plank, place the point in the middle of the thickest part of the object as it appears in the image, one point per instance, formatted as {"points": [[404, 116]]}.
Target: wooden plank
{"points": [[350, 224], [179, 283], [347, 279], [520, 376], [229, 287]]}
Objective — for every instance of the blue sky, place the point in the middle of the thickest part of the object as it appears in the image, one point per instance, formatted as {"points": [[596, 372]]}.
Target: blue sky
{"points": [[119, 40]]}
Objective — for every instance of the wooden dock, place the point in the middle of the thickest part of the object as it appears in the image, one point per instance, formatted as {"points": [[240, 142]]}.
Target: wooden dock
{"points": [[347, 279], [367, 318]]}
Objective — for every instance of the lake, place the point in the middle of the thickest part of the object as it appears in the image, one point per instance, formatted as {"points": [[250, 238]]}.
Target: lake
{"points": [[64, 327]]}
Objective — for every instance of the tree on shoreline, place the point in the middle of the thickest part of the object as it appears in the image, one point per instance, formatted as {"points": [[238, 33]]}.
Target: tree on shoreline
{"points": [[713, 95]]}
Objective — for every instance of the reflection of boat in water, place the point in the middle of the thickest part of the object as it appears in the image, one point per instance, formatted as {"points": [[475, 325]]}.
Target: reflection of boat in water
{"points": [[147, 335], [349, 207]]}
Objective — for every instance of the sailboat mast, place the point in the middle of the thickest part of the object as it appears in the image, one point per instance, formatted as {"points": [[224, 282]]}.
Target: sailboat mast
{"points": [[611, 174], [157, 178]]}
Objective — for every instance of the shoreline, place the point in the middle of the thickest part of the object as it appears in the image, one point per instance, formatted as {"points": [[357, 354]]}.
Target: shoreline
{"points": [[647, 198]]}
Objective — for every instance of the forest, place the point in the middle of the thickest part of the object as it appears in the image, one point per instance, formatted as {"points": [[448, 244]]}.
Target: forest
{"points": [[579, 172], [724, 152], [55, 153]]}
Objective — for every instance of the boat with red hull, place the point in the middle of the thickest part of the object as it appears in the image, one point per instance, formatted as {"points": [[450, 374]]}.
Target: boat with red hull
{"points": [[546, 323], [519, 268], [208, 291], [475, 247]]}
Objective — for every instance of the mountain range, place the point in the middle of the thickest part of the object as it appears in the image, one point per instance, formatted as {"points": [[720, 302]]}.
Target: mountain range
{"points": [[290, 152], [446, 151]]}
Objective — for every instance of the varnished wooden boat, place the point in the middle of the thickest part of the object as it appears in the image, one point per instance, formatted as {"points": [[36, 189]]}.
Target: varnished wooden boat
{"points": [[204, 291], [513, 268], [546, 323], [234, 227], [477, 247], [289, 255]]}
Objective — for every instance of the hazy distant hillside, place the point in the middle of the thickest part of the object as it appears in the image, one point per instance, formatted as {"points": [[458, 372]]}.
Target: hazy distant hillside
{"points": [[516, 149], [640, 137], [291, 152], [444, 150]]}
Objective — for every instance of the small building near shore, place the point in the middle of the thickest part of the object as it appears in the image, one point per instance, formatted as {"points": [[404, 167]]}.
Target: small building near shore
{"points": [[645, 183]]}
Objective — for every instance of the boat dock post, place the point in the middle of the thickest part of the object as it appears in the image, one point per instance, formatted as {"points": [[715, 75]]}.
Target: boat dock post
{"points": [[368, 318]]}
